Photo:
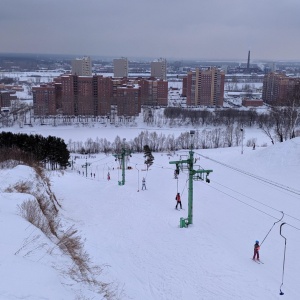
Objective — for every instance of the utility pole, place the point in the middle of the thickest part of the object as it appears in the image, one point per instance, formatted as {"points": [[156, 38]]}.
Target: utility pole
{"points": [[242, 130], [193, 175], [121, 156], [72, 163]]}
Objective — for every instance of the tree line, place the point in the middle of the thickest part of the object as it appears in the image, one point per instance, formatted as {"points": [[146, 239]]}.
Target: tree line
{"points": [[51, 151], [279, 123], [207, 138]]}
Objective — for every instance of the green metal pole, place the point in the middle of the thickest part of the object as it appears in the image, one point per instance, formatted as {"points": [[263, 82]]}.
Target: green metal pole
{"points": [[86, 167], [190, 198], [123, 166]]}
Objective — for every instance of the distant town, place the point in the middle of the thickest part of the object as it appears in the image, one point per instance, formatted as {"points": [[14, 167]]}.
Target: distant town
{"points": [[72, 89]]}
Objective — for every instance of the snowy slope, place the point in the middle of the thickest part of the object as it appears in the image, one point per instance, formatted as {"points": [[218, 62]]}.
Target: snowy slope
{"points": [[135, 236], [137, 232]]}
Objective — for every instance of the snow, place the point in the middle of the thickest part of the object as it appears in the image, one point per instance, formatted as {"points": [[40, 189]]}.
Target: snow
{"points": [[136, 233]]}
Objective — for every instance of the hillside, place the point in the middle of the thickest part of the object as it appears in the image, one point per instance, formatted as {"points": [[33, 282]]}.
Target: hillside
{"points": [[135, 236]]}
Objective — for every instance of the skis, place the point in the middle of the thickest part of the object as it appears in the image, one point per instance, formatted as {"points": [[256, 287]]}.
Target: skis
{"points": [[257, 261]]}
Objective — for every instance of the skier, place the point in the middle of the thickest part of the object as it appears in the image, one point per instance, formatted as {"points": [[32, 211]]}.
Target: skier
{"points": [[175, 174], [144, 183], [256, 251], [178, 199], [108, 176]]}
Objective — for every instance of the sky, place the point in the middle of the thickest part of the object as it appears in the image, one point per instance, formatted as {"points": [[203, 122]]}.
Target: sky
{"points": [[136, 235], [192, 29]]}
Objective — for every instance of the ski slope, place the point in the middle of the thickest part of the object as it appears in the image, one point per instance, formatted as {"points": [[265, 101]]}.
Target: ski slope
{"points": [[135, 235], [137, 232]]}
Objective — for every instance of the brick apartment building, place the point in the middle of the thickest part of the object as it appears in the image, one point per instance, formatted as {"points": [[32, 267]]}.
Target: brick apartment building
{"points": [[277, 87], [6, 96], [204, 87], [74, 95], [44, 100], [84, 95], [128, 99], [153, 92]]}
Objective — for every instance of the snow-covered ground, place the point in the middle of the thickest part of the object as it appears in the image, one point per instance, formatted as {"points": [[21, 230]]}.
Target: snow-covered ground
{"points": [[137, 235]]}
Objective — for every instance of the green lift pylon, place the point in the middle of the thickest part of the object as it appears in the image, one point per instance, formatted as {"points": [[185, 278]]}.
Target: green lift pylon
{"points": [[85, 166], [121, 156], [193, 175]]}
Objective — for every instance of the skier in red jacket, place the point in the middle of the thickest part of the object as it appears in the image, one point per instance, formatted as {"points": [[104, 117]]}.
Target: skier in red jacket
{"points": [[178, 201], [256, 251]]}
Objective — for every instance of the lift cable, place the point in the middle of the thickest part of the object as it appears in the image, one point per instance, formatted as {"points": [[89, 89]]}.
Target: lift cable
{"points": [[272, 228], [256, 200], [247, 204], [281, 186]]}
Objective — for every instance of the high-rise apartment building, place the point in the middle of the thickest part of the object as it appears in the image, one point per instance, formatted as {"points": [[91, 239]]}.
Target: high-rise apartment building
{"points": [[44, 100], [120, 67], [86, 95], [72, 95], [82, 66], [277, 87], [128, 100], [153, 92], [159, 69], [205, 87]]}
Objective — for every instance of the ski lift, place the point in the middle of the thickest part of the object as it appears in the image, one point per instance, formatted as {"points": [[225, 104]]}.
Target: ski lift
{"points": [[281, 292], [199, 174]]}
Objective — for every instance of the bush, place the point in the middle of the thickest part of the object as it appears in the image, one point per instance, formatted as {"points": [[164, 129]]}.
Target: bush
{"points": [[30, 210]]}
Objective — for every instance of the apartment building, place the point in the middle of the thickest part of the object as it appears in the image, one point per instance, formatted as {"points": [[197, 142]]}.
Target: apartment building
{"points": [[82, 66], [74, 95], [159, 69], [277, 87], [128, 99], [120, 67], [205, 87], [85, 95], [153, 92], [7, 94], [44, 100]]}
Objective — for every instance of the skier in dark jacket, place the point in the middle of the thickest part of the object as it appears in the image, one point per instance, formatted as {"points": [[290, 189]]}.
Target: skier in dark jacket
{"points": [[256, 250], [178, 199], [144, 184]]}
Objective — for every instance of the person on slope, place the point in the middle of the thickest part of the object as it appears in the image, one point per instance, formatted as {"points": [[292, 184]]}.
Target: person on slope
{"points": [[144, 184], [178, 199], [256, 250]]}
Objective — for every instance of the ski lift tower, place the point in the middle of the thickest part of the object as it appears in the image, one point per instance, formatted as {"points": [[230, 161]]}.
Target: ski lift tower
{"points": [[121, 157], [193, 175]]}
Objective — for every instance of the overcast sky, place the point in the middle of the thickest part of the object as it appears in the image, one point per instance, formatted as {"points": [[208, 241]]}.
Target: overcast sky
{"points": [[181, 29]]}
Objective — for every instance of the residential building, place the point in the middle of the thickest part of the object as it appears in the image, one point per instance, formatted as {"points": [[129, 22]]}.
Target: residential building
{"points": [[159, 69], [205, 87], [128, 100], [73, 95], [82, 66], [277, 87], [153, 92], [86, 95], [120, 67], [252, 102], [6, 96], [44, 100]]}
